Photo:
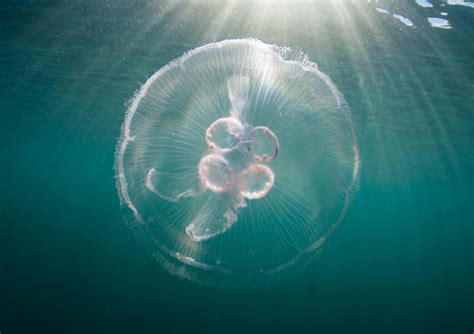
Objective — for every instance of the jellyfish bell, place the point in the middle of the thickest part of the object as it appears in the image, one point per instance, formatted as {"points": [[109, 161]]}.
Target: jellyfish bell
{"points": [[237, 161]]}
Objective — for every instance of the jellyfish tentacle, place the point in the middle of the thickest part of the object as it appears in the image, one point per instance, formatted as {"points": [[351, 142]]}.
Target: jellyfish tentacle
{"points": [[213, 220], [155, 181]]}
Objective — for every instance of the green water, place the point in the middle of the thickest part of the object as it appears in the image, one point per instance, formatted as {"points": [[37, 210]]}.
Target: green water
{"points": [[401, 262]]}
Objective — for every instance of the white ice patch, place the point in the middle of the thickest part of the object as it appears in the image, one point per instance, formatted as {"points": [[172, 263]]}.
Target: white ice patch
{"points": [[461, 3], [424, 3], [404, 20], [382, 10], [439, 23]]}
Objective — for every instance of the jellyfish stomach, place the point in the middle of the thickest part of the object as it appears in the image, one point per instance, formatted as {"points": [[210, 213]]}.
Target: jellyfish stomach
{"points": [[234, 170], [235, 160], [226, 173]]}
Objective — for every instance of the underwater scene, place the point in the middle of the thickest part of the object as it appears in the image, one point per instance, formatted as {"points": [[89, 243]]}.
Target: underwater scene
{"points": [[237, 166]]}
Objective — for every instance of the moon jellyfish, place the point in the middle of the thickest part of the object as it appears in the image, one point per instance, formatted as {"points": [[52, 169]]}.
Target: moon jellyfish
{"points": [[237, 161]]}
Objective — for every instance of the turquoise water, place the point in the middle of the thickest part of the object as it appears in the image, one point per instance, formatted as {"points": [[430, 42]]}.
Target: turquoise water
{"points": [[402, 260]]}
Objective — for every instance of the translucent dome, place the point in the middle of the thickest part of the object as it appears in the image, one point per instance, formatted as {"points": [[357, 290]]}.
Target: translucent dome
{"points": [[238, 158]]}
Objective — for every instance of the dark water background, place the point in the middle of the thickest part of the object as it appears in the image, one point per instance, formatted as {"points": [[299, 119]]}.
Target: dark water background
{"points": [[402, 261]]}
